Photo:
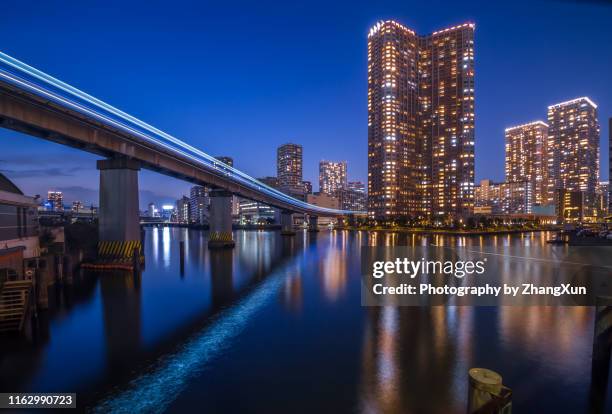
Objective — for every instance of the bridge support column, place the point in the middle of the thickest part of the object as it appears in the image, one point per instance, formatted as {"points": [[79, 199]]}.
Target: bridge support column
{"points": [[313, 224], [118, 217], [352, 221], [220, 220], [286, 220]]}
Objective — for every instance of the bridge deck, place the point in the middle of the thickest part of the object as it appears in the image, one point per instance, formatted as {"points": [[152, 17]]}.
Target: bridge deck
{"points": [[34, 103]]}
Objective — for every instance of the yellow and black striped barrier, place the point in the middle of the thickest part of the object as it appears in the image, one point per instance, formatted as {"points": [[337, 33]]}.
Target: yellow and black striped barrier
{"points": [[223, 236], [221, 239], [118, 250]]}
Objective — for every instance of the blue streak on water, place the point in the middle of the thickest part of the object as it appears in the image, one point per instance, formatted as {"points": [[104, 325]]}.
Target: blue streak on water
{"points": [[154, 391]]}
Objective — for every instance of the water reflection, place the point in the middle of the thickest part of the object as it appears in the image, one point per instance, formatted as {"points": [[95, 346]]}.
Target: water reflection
{"points": [[121, 308], [274, 313], [333, 271], [221, 276], [416, 359]]}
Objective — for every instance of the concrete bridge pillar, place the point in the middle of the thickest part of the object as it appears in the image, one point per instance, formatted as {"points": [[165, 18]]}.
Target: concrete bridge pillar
{"points": [[352, 220], [313, 224], [118, 216], [286, 221], [220, 220]]}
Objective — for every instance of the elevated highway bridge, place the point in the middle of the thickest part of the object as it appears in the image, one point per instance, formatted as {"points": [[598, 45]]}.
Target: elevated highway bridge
{"points": [[40, 105]]}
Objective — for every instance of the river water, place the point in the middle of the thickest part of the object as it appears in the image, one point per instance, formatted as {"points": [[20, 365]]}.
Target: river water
{"points": [[276, 326]]}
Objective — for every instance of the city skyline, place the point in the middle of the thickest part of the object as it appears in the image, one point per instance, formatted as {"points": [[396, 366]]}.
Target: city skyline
{"points": [[75, 174]]}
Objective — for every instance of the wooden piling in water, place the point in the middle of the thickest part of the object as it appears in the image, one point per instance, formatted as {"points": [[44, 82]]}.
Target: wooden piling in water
{"points": [[487, 394]]}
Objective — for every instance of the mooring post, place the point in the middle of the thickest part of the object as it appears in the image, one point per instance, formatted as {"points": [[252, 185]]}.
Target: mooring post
{"points": [[487, 394], [602, 348]]}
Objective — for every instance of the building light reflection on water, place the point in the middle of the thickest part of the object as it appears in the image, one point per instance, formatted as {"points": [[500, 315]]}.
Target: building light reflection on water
{"points": [[334, 273], [532, 329], [166, 246], [387, 372], [393, 359], [155, 242]]}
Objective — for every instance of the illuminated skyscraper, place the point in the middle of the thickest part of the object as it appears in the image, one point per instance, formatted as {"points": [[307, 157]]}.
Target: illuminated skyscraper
{"points": [[393, 171], [198, 205], [610, 168], [420, 121], [56, 200], [446, 120], [332, 177], [289, 168], [183, 209], [573, 139], [526, 157]]}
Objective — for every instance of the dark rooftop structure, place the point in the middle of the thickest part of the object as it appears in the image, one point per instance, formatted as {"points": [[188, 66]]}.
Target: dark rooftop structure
{"points": [[8, 186]]}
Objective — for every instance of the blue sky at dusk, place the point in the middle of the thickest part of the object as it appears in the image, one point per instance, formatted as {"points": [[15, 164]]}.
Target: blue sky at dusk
{"points": [[239, 79]]}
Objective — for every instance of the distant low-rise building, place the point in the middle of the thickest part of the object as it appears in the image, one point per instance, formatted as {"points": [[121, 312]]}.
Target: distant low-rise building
{"points": [[356, 199], [503, 198], [152, 211], [488, 195], [353, 198], [323, 200], [270, 181], [484, 210], [77, 207], [252, 212], [570, 206]]}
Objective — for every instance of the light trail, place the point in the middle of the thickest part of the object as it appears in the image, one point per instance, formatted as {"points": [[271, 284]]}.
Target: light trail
{"points": [[45, 86], [154, 391]]}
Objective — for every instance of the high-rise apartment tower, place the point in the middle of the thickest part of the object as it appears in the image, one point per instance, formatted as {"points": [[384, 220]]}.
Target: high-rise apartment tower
{"points": [[332, 177], [420, 122], [526, 158], [289, 168], [573, 139]]}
